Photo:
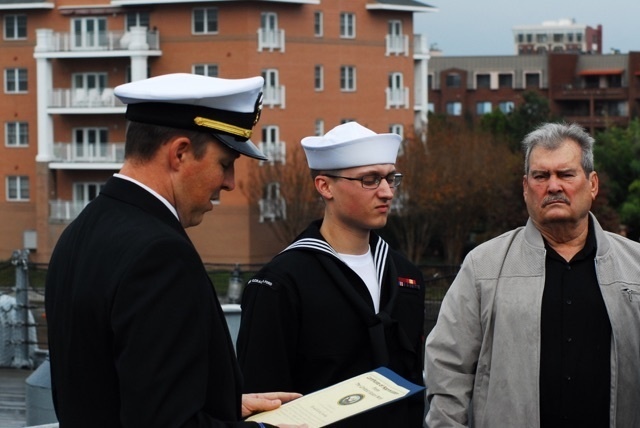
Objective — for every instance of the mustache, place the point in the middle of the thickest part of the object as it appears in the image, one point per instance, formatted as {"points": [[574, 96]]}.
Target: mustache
{"points": [[554, 198]]}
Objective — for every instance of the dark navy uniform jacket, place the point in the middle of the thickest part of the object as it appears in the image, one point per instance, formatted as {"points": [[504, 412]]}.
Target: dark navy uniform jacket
{"points": [[308, 322], [137, 337]]}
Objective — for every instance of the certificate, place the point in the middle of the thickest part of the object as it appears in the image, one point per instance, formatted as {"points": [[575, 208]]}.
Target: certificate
{"points": [[347, 398]]}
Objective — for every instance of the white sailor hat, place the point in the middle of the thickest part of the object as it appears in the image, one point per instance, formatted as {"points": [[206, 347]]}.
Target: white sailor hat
{"points": [[350, 145], [226, 108]]}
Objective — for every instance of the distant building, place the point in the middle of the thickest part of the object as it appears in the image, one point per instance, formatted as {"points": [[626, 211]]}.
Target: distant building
{"points": [[324, 62], [557, 36], [596, 91]]}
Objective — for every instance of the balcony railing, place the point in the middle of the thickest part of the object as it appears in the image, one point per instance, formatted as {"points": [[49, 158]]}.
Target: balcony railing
{"points": [[270, 40], [420, 45], [583, 91], [272, 209], [75, 152], [397, 97], [276, 152], [274, 96], [138, 38], [81, 97], [397, 44], [65, 210]]}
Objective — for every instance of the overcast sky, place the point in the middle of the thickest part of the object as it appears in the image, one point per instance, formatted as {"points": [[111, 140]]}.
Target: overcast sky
{"points": [[474, 27]]}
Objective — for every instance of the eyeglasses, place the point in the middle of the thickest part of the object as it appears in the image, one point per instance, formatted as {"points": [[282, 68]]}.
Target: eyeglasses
{"points": [[373, 181]]}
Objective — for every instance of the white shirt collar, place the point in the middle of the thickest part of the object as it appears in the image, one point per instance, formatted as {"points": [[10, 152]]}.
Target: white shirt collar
{"points": [[150, 190]]}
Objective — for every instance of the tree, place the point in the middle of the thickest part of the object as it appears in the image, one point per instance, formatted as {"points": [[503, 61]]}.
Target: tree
{"points": [[460, 183], [297, 200]]}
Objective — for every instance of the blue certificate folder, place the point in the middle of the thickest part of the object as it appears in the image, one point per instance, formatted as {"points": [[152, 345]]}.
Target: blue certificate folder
{"points": [[396, 378]]}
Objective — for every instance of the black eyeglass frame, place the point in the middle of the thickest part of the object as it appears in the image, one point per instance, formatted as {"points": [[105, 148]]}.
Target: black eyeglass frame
{"points": [[393, 179]]}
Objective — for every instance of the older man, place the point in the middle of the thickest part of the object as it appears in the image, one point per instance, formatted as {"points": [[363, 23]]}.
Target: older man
{"points": [[540, 327]]}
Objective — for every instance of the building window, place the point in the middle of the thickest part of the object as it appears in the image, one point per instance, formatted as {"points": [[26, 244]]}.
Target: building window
{"points": [[483, 81], [505, 81], [272, 205], [318, 24], [17, 188], [15, 27], [87, 88], [532, 80], [347, 78], [210, 70], [319, 128], [273, 92], [454, 108], [89, 33], [318, 78], [431, 108], [137, 19], [347, 25], [90, 143], [483, 107], [397, 128], [15, 80], [453, 80], [541, 38], [83, 193], [205, 20], [506, 106], [17, 134], [271, 145]]}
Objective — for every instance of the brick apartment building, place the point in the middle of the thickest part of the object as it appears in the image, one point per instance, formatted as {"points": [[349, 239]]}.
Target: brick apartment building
{"points": [[324, 62], [594, 90]]}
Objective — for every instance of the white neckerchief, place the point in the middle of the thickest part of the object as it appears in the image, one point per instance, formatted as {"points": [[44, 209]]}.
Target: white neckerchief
{"points": [[150, 190], [363, 265]]}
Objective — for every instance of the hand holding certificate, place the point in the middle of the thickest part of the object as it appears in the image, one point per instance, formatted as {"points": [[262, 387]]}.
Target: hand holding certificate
{"points": [[342, 400]]}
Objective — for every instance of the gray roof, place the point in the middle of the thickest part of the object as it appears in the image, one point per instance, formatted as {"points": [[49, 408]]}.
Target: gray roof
{"points": [[415, 5]]}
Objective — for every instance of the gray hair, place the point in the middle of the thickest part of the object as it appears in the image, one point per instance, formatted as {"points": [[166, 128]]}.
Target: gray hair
{"points": [[550, 135]]}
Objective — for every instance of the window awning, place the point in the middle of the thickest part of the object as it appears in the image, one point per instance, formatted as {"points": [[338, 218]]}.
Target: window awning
{"points": [[601, 72]]}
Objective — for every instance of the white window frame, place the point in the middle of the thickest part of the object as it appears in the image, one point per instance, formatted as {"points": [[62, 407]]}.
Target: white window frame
{"points": [[207, 21], [16, 80], [88, 32], [483, 107], [397, 128], [318, 23], [506, 106], [85, 192], [210, 70], [272, 205], [319, 127], [348, 78], [454, 108], [16, 134], [347, 25], [90, 143], [318, 78], [19, 186], [15, 27], [137, 19]]}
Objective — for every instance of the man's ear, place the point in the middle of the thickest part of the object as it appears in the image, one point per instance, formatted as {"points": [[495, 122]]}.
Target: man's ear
{"points": [[323, 187], [178, 150]]}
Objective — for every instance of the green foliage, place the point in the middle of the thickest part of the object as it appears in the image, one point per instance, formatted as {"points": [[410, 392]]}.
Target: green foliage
{"points": [[617, 160], [513, 126]]}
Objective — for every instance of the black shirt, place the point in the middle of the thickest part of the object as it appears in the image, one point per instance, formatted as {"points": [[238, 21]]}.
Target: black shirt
{"points": [[576, 343]]}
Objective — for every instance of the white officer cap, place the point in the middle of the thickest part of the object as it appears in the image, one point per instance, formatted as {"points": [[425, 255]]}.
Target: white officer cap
{"points": [[226, 108], [350, 145]]}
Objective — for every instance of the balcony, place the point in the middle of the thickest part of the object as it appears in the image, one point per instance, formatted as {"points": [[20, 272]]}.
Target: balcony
{"points": [[52, 44], [270, 40], [580, 91], [420, 46], [397, 97], [274, 95], [82, 100], [272, 209], [75, 152], [275, 151], [397, 44], [62, 210]]}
